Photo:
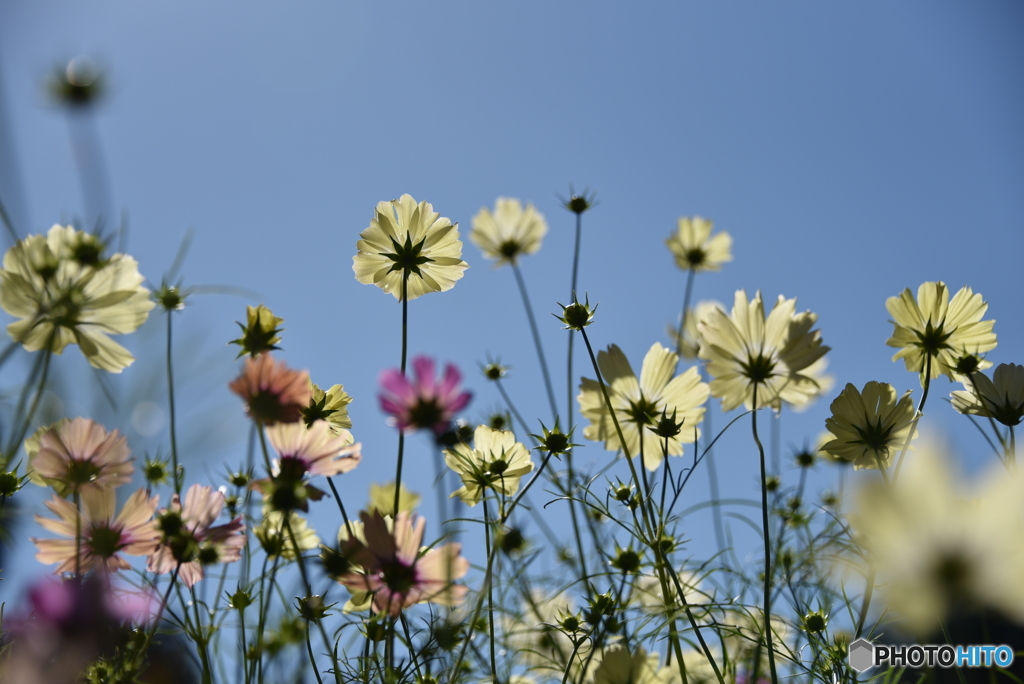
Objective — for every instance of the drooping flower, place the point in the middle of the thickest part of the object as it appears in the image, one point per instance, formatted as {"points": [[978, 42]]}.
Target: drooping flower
{"points": [[103, 536], [689, 345], [273, 392], [774, 356], [273, 536], [73, 455], [396, 573], [1001, 398], [932, 330], [331, 406], [190, 541], [261, 332], [406, 238], [423, 403], [509, 231], [64, 293], [696, 249], [868, 427], [496, 461], [640, 404]]}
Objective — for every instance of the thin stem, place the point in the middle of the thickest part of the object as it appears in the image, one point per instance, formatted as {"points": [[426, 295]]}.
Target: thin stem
{"points": [[405, 348], [341, 507], [682, 318], [917, 416], [312, 660], [5, 218], [47, 355], [490, 594], [572, 296], [536, 338], [767, 545], [170, 400]]}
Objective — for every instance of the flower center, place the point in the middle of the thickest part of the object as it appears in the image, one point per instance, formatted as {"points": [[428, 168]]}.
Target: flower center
{"points": [[758, 368], [80, 472], [642, 411], [292, 468], [933, 339], [497, 466], [397, 576], [407, 256], [695, 256], [425, 413], [104, 541], [317, 411], [874, 436], [509, 249]]}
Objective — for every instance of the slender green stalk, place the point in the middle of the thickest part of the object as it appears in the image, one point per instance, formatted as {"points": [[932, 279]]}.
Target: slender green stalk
{"points": [[309, 650], [716, 506], [536, 338], [5, 218], [767, 545], [40, 388], [686, 312], [917, 416], [490, 594], [170, 401], [405, 348], [341, 507]]}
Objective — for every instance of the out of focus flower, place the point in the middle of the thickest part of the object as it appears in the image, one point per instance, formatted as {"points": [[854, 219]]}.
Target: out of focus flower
{"points": [[406, 238], [190, 541], [272, 392], [382, 499], [396, 573], [73, 455], [64, 293], [868, 426], [933, 327], [508, 232], [275, 540], [689, 345], [103, 536], [942, 550], [1001, 398], [331, 406], [647, 592], [78, 84], [534, 636], [496, 461], [423, 403], [261, 332], [696, 249], [342, 562], [639, 404], [618, 666], [747, 353]]}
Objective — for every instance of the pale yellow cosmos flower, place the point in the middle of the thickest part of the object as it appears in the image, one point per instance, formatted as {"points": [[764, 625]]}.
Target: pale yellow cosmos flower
{"points": [[689, 345], [869, 427], [641, 404], [382, 498], [509, 231], [275, 540], [1001, 398], [618, 665], [496, 461], [409, 237], [696, 249], [936, 328], [330, 406]]}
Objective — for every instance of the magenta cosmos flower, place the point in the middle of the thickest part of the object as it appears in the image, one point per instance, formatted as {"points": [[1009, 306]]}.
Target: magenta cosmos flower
{"points": [[80, 453], [103, 537], [189, 537], [424, 403], [395, 572], [273, 392]]}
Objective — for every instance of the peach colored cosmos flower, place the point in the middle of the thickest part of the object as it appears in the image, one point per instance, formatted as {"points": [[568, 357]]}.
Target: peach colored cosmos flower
{"points": [[103, 537], [316, 450], [396, 573], [423, 402], [273, 392], [196, 543], [80, 453]]}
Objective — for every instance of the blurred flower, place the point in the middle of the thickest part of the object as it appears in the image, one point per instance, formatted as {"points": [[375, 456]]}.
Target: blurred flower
{"points": [[647, 592], [745, 351], [536, 640], [331, 406], [509, 231], [72, 455], [640, 404], [1001, 398], [260, 333], [689, 345], [423, 403], [941, 550], [315, 450], [78, 84], [275, 540], [382, 499], [934, 327], [580, 203], [822, 384], [64, 294], [496, 461], [868, 426], [273, 392], [694, 247], [409, 238], [189, 540], [103, 537], [396, 573], [344, 563], [618, 666]]}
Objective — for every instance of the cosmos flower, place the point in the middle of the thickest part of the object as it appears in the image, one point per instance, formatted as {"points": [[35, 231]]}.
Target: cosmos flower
{"points": [[396, 573], [64, 293], [273, 392], [617, 665], [496, 461], [409, 238], [933, 327], [273, 536], [315, 450], [869, 426], [696, 249], [640, 404], [689, 345], [1002, 397], [745, 351], [261, 332], [192, 540], [509, 231], [331, 406], [382, 498], [103, 536], [423, 403], [73, 455]]}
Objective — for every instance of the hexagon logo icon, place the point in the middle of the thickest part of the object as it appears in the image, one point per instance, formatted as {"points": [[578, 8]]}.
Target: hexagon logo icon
{"points": [[861, 655]]}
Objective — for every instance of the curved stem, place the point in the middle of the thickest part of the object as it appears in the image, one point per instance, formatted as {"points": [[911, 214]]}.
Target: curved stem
{"points": [[767, 545], [917, 416], [27, 423], [536, 339]]}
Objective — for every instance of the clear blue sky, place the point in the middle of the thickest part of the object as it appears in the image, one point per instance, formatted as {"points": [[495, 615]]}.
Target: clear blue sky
{"points": [[851, 149]]}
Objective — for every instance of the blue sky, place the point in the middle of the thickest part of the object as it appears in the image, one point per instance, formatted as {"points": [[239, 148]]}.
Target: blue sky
{"points": [[851, 149]]}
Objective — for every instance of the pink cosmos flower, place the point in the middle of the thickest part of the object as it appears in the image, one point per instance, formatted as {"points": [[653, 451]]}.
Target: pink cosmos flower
{"points": [[103, 537], [80, 453], [425, 402], [396, 573], [273, 392], [316, 450], [190, 539]]}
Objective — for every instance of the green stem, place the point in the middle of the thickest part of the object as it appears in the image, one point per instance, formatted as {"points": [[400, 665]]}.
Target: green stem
{"points": [[170, 399], [341, 507], [312, 660], [27, 423], [682, 319], [917, 416], [490, 594], [767, 545], [536, 339], [405, 347]]}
